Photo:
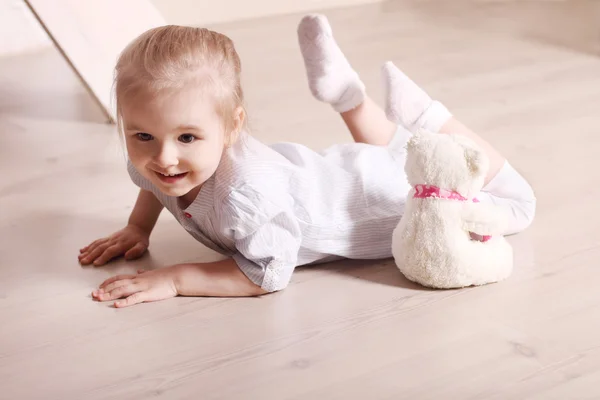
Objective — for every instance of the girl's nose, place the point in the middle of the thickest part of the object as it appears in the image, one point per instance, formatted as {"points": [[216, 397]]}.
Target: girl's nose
{"points": [[167, 156]]}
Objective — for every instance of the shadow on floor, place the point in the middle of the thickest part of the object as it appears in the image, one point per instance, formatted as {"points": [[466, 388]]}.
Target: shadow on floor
{"points": [[381, 272]]}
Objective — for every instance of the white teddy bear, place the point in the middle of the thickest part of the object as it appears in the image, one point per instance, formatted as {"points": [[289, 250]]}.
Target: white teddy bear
{"points": [[446, 238]]}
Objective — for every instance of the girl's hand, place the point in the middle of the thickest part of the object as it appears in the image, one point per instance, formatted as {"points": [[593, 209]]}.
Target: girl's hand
{"points": [[131, 241], [146, 286]]}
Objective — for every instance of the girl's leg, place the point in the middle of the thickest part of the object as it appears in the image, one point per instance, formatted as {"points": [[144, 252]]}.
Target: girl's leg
{"points": [[368, 124], [331, 79], [407, 104]]}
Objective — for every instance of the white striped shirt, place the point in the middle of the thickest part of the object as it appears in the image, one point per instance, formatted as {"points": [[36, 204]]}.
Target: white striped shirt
{"points": [[275, 207]]}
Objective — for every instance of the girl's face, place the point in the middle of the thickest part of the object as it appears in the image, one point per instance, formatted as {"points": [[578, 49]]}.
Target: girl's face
{"points": [[176, 141]]}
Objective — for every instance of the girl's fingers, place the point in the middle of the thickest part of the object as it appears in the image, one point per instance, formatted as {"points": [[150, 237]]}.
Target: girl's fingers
{"points": [[135, 298], [93, 254], [115, 278], [90, 247], [112, 286], [121, 291], [136, 251], [108, 254]]}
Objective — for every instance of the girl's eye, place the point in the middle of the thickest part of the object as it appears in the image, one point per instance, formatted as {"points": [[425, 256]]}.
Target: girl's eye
{"points": [[187, 138], [144, 137]]}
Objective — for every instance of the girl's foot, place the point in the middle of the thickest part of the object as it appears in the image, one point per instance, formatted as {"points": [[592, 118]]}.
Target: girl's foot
{"points": [[330, 77], [408, 105]]}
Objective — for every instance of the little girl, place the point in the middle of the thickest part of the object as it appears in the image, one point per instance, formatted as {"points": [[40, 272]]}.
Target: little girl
{"points": [[267, 208]]}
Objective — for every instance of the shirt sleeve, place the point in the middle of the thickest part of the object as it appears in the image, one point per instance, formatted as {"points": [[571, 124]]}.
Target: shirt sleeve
{"points": [[267, 237]]}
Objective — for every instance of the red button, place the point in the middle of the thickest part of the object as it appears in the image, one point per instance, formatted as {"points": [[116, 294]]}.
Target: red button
{"points": [[188, 215]]}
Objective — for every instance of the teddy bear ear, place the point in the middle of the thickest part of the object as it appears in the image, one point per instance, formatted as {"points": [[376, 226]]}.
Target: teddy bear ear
{"points": [[417, 140], [413, 143], [476, 160]]}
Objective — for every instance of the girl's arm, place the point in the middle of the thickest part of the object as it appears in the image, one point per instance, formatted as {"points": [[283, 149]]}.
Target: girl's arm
{"points": [[131, 241], [217, 279], [146, 211]]}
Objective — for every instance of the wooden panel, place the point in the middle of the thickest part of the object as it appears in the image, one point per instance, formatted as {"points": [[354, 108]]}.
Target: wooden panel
{"points": [[19, 31], [90, 34]]}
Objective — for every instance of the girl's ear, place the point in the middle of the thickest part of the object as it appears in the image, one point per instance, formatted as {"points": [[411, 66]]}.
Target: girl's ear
{"points": [[239, 117]]}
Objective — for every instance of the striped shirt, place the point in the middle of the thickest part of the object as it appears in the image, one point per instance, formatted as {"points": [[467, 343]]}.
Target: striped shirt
{"points": [[274, 207]]}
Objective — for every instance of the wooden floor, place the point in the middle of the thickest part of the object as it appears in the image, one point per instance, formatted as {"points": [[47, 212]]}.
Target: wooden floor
{"points": [[524, 75]]}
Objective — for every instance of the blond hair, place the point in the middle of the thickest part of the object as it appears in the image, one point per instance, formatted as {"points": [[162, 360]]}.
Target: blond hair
{"points": [[171, 57]]}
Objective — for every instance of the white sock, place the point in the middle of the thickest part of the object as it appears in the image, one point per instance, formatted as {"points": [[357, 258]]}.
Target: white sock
{"points": [[510, 184], [408, 105], [511, 191], [330, 77]]}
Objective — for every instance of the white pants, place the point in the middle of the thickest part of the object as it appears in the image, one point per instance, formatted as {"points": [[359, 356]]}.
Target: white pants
{"points": [[509, 189]]}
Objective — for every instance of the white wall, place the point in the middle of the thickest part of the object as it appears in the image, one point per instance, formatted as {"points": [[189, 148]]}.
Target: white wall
{"points": [[19, 30]]}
